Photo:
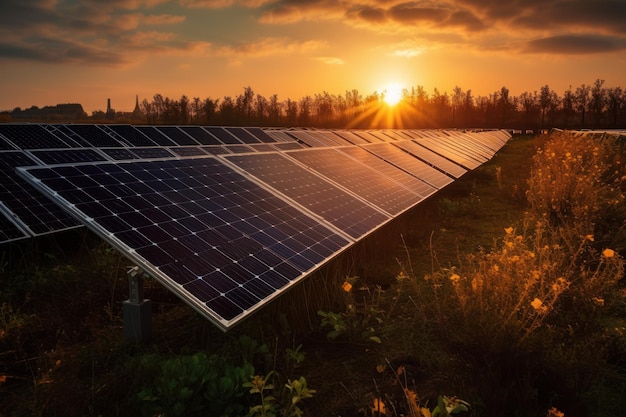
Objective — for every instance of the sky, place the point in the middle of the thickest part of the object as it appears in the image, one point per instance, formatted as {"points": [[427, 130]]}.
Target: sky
{"points": [[88, 51]]}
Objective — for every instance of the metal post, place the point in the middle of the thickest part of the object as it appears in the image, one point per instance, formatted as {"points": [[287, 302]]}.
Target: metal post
{"points": [[137, 311]]}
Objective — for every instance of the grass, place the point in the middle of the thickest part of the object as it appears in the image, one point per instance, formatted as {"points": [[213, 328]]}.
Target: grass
{"points": [[409, 327]]}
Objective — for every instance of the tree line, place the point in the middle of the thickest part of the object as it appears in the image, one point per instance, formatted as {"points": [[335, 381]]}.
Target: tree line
{"points": [[586, 106]]}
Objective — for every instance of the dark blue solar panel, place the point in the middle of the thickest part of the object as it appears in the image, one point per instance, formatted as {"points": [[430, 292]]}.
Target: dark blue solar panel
{"points": [[36, 212], [242, 134], [200, 135], [156, 136], [360, 179], [30, 136], [221, 134], [260, 134], [188, 151], [346, 212], [65, 156], [119, 154], [410, 164], [177, 135], [152, 153], [209, 234], [433, 159], [389, 170], [92, 135], [131, 136]]}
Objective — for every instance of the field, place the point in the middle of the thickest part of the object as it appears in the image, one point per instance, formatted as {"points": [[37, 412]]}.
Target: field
{"points": [[504, 291]]}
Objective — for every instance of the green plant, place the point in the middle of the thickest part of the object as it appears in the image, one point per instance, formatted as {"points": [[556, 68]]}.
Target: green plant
{"points": [[360, 319], [285, 405], [195, 385]]}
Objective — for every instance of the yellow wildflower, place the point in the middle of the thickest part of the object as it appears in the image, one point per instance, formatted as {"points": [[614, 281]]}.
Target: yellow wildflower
{"points": [[347, 287], [598, 301], [589, 237], [379, 406], [455, 278], [608, 253], [536, 303], [508, 230]]}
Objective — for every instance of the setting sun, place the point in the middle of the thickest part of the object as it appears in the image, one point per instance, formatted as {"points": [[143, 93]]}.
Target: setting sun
{"points": [[393, 94]]}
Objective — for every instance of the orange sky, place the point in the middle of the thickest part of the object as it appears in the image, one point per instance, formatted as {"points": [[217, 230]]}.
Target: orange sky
{"points": [[71, 51]]}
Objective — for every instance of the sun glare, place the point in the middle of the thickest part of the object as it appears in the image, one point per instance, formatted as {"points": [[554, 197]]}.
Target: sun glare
{"points": [[393, 94]]}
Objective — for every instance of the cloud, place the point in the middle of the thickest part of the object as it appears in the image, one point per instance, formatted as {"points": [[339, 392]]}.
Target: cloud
{"points": [[574, 45], [330, 60], [268, 47]]}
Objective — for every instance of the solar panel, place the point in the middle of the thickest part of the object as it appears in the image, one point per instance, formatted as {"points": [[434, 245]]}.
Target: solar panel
{"points": [[118, 154], [130, 135], [260, 134], [433, 159], [200, 135], [92, 135], [55, 156], [418, 186], [156, 136], [335, 205], [30, 136], [152, 153], [188, 151], [213, 237], [37, 213], [410, 164], [359, 179], [177, 135], [242, 134], [222, 135]]}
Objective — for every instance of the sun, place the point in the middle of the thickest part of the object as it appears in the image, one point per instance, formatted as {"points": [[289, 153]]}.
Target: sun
{"points": [[393, 94]]}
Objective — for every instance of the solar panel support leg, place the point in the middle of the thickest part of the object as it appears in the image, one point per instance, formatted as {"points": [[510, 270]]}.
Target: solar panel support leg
{"points": [[137, 312]]}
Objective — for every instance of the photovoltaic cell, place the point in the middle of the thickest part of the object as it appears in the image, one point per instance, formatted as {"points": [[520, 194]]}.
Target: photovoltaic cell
{"points": [[188, 151], [34, 211], [419, 187], [156, 136], [152, 153], [410, 164], [222, 135], [118, 154], [31, 136], [216, 239], [176, 135], [54, 156], [359, 179], [339, 208], [93, 136], [200, 135], [131, 136], [260, 134], [433, 159], [242, 134]]}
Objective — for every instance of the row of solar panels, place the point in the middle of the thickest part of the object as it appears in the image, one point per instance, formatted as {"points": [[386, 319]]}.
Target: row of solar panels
{"points": [[229, 231]]}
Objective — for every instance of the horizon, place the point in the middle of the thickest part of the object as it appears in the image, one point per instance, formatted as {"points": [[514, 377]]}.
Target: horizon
{"points": [[62, 52]]}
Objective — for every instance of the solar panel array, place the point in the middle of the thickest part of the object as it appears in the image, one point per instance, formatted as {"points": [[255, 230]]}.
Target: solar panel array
{"points": [[227, 218]]}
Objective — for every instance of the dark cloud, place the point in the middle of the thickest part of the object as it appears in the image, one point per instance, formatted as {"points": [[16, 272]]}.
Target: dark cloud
{"points": [[367, 14], [411, 13], [59, 52], [574, 44]]}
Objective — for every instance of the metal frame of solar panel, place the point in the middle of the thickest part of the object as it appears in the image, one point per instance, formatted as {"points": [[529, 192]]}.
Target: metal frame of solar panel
{"points": [[212, 236]]}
